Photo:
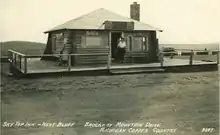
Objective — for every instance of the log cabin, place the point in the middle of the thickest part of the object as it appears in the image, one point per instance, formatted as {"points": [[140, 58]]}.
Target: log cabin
{"points": [[99, 31]]}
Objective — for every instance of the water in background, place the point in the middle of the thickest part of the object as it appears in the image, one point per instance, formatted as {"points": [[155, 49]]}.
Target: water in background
{"points": [[193, 46]]}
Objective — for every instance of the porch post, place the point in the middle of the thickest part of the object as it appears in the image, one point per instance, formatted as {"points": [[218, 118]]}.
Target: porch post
{"points": [[15, 60], [161, 58], [69, 62], [191, 58], [68, 44], [110, 50], [25, 64]]}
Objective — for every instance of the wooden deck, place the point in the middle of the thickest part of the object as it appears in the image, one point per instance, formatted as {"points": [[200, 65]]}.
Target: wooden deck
{"points": [[32, 65], [39, 66]]}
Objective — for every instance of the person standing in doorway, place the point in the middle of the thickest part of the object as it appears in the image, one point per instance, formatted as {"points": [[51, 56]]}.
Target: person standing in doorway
{"points": [[121, 50]]}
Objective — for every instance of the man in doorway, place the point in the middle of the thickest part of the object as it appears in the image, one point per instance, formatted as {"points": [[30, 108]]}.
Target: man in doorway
{"points": [[121, 49]]}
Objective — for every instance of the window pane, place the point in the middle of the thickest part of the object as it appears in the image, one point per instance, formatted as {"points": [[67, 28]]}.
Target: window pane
{"points": [[137, 44], [93, 41]]}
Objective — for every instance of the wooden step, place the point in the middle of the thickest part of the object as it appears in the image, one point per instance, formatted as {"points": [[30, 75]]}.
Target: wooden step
{"points": [[126, 71]]}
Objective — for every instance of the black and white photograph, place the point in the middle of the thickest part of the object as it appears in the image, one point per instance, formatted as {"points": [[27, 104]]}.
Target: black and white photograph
{"points": [[109, 67]]}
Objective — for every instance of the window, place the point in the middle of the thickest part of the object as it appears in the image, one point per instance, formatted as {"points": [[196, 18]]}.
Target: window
{"points": [[93, 38], [137, 44], [93, 41], [140, 43], [56, 38], [78, 40], [60, 36], [145, 43]]}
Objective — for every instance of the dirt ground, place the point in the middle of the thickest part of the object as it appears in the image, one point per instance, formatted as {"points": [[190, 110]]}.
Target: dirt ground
{"points": [[188, 102]]}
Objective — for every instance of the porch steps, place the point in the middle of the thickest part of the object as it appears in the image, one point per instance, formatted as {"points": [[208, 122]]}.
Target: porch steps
{"points": [[136, 70]]}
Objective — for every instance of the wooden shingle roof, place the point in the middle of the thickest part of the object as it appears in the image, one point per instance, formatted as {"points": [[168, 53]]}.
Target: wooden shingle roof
{"points": [[95, 20]]}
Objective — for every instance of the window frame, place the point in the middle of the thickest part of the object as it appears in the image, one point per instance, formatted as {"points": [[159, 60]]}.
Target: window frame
{"points": [[145, 43], [140, 48]]}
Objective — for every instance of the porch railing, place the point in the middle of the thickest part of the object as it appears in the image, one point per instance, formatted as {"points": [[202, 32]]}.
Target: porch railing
{"points": [[189, 53], [20, 60]]}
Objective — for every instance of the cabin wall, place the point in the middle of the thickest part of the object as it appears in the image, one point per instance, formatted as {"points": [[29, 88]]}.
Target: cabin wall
{"points": [[48, 48], [91, 42], [62, 40], [57, 42]]}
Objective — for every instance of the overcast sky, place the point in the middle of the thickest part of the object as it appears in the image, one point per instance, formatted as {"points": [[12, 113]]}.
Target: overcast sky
{"points": [[183, 21]]}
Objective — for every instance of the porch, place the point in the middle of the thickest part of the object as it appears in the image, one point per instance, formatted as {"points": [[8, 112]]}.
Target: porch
{"points": [[31, 64]]}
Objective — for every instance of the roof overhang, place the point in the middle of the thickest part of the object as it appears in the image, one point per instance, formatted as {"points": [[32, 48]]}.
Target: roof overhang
{"points": [[97, 30], [55, 30]]}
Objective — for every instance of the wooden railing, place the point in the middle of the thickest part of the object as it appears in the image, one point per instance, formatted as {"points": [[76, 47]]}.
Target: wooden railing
{"points": [[17, 59], [20, 60], [190, 52]]}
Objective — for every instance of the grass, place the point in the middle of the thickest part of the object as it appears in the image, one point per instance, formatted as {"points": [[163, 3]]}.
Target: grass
{"points": [[188, 102], [21, 46]]}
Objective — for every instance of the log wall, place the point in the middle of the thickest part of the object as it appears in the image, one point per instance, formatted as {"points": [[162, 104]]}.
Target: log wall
{"points": [[84, 48], [60, 40]]}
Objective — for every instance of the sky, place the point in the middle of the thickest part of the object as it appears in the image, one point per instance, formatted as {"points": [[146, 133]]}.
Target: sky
{"points": [[183, 21]]}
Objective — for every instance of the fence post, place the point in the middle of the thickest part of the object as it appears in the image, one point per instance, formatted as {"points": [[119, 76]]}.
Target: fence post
{"points": [[69, 62], [218, 57], [161, 59], [191, 58], [25, 64]]}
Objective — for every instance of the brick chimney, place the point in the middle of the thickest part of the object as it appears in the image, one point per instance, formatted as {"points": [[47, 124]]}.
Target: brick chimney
{"points": [[135, 11]]}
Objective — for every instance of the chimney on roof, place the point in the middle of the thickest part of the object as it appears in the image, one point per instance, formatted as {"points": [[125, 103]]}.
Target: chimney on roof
{"points": [[135, 11]]}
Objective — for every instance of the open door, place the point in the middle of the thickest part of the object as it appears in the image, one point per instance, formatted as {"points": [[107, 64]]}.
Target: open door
{"points": [[114, 42]]}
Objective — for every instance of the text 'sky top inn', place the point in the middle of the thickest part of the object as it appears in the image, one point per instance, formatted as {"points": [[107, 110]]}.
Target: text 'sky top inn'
{"points": [[99, 31]]}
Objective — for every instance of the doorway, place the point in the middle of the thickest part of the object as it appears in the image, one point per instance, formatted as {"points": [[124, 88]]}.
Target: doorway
{"points": [[114, 42]]}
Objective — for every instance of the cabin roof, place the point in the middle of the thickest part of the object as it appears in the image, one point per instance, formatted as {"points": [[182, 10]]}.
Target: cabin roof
{"points": [[96, 19]]}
